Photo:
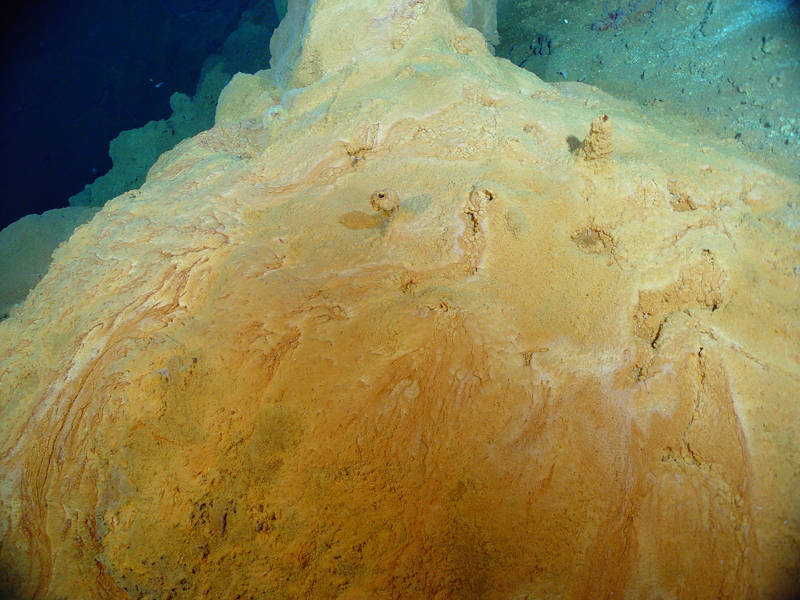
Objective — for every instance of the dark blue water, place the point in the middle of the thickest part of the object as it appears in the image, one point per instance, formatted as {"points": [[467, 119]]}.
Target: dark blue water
{"points": [[75, 73]]}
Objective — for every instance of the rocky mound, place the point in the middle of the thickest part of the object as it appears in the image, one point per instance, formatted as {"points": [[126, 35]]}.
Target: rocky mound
{"points": [[408, 322]]}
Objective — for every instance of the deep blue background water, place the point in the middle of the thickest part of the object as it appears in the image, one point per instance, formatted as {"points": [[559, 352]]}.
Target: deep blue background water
{"points": [[74, 73]]}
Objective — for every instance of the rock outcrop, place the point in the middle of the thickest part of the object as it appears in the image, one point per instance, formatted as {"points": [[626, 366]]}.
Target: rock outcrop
{"points": [[379, 334]]}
